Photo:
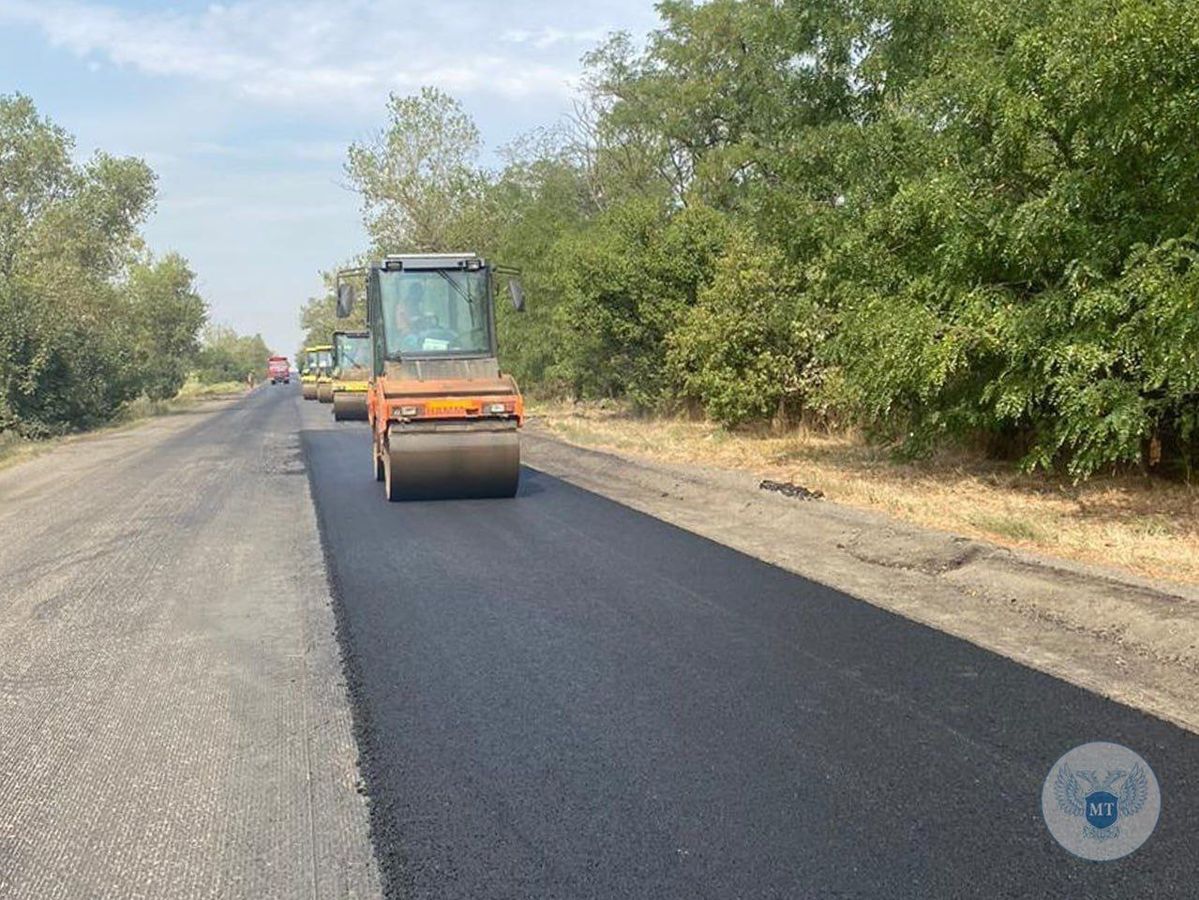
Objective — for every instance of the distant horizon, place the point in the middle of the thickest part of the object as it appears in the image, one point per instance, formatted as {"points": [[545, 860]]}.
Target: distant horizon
{"points": [[245, 109]]}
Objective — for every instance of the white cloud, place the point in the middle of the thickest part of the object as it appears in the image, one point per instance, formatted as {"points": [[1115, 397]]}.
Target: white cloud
{"points": [[318, 52], [549, 36]]}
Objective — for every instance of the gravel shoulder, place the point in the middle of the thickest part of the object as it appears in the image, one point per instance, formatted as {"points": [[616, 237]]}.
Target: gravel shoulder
{"points": [[1133, 640], [174, 714]]}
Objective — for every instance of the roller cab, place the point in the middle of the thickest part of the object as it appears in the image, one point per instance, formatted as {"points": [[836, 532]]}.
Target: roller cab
{"points": [[444, 418]]}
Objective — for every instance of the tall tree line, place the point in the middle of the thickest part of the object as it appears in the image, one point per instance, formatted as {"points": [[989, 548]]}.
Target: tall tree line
{"points": [[89, 317], [940, 220]]}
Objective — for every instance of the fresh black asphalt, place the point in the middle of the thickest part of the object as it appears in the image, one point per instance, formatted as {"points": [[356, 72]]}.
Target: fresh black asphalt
{"points": [[556, 696]]}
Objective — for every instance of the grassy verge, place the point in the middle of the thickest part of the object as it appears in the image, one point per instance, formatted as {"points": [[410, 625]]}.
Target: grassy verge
{"points": [[15, 449], [1139, 524]]}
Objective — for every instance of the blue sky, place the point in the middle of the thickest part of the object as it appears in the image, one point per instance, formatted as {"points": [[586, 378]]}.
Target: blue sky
{"points": [[244, 110]]}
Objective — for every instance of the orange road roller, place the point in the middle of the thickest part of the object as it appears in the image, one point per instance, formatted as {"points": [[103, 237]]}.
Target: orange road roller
{"points": [[444, 419]]}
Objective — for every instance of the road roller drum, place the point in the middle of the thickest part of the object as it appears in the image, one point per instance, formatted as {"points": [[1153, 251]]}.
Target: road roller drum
{"points": [[349, 406], [452, 462]]}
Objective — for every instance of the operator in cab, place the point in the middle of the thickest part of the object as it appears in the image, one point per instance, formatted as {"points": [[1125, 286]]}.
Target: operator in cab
{"points": [[418, 327]]}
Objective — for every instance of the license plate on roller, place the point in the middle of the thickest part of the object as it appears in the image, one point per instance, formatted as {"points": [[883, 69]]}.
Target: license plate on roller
{"points": [[434, 406]]}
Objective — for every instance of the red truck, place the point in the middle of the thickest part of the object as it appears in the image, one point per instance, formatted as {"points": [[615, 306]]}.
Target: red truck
{"points": [[277, 370]]}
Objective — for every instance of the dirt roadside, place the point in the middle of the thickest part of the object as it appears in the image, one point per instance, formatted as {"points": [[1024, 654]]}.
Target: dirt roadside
{"points": [[1130, 639]]}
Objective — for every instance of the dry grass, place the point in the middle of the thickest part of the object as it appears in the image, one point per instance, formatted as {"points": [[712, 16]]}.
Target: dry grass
{"points": [[15, 449], [194, 390], [1142, 525]]}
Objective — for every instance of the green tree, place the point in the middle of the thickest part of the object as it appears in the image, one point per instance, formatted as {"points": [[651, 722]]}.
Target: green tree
{"points": [[68, 232], [1007, 285], [953, 220], [628, 281], [539, 199], [225, 355], [166, 317], [746, 350], [420, 175]]}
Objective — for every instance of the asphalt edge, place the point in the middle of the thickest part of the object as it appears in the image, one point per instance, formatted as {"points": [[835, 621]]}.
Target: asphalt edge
{"points": [[390, 861]]}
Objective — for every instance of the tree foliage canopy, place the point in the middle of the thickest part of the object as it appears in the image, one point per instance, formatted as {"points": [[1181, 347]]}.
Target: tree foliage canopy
{"points": [[948, 220], [88, 317], [224, 355], [420, 175]]}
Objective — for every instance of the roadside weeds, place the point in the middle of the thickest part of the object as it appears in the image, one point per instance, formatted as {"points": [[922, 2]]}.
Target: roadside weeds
{"points": [[1144, 526]]}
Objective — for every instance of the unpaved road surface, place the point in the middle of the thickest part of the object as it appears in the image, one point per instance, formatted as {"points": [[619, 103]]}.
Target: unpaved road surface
{"points": [[553, 696], [173, 720], [561, 697]]}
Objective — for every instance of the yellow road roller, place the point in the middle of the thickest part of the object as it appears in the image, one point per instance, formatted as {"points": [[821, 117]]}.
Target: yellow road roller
{"points": [[318, 360], [351, 374]]}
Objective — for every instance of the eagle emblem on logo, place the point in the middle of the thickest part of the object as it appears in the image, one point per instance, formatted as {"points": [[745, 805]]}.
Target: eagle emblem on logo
{"points": [[1101, 801]]}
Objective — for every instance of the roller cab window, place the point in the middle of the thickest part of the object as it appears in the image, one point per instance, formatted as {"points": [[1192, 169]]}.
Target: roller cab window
{"points": [[435, 313], [353, 352]]}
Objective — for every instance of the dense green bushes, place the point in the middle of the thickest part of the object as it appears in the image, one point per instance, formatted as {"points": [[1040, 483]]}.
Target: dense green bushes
{"points": [[632, 279], [958, 220], [746, 350], [1035, 281]]}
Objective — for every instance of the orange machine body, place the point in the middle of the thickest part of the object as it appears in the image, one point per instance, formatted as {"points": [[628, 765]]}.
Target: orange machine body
{"points": [[442, 400], [444, 419]]}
